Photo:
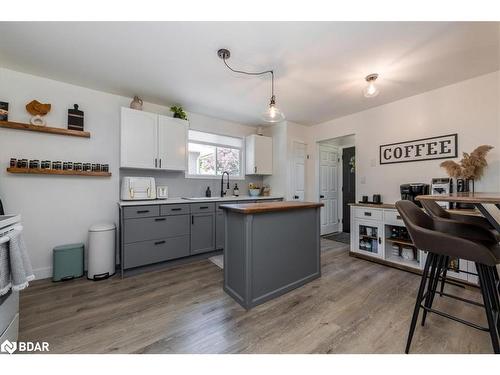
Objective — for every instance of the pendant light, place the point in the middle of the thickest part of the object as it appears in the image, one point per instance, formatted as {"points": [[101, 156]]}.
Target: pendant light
{"points": [[272, 114], [371, 90]]}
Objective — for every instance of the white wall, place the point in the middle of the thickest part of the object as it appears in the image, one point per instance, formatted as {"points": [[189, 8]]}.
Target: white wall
{"points": [[469, 108], [284, 134], [59, 209]]}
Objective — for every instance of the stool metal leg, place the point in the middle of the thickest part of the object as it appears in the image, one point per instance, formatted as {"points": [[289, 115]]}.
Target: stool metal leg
{"points": [[486, 289], [433, 277], [433, 287], [418, 301], [443, 280]]}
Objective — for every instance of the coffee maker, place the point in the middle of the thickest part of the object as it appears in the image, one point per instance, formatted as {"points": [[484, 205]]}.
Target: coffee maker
{"points": [[410, 191]]}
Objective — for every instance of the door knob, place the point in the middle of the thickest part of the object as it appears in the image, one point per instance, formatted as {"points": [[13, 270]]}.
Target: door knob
{"points": [[321, 196]]}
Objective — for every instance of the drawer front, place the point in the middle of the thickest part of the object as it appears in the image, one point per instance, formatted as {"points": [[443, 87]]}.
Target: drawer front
{"points": [[152, 228], [393, 217], [149, 252], [174, 209], [199, 208], [134, 212], [368, 214]]}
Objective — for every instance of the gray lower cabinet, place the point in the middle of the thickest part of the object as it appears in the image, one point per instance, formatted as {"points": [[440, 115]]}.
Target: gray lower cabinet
{"points": [[149, 252], [220, 230], [202, 232]]}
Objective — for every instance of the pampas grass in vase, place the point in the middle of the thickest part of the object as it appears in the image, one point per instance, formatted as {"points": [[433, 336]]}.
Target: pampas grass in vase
{"points": [[471, 167]]}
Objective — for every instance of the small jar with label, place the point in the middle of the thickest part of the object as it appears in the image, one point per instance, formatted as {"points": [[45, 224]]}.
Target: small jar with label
{"points": [[45, 164], [22, 163], [57, 165], [13, 162], [34, 164], [87, 167], [77, 166], [105, 167]]}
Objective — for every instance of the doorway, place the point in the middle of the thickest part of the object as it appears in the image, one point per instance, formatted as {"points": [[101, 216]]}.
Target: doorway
{"points": [[336, 183], [348, 185]]}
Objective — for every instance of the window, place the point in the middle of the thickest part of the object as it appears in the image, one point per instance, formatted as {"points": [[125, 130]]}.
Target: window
{"points": [[212, 154]]}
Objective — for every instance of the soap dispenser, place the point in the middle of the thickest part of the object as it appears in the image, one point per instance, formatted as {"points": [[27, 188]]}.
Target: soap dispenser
{"points": [[208, 192], [236, 191]]}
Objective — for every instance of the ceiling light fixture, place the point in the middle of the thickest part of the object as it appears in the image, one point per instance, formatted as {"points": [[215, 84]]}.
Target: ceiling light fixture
{"points": [[371, 90], [272, 114]]}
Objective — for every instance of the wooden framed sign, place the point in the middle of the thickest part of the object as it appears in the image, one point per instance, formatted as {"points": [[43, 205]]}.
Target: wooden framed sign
{"points": [[442, 147]]}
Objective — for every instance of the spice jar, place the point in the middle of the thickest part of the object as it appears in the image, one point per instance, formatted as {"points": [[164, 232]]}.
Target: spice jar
{"points": [[77, 166], [57, 165], [34, 164], [45, 164], [13, 162]]}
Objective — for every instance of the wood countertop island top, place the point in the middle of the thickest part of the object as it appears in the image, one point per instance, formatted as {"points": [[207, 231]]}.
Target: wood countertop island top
{"points": [[255, 208], [465, 197]]}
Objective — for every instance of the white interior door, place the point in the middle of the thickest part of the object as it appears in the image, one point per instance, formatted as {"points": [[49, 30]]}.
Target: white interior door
{"points": [[298, 168], [328, 188]]}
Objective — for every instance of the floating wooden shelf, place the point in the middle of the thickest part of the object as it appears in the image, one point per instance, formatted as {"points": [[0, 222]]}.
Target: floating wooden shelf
{"points": [[58, 172], [400, 241], [43, 129]]}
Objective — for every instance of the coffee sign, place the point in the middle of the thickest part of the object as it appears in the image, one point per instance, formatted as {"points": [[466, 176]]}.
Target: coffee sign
{"points": [[442, 147]]}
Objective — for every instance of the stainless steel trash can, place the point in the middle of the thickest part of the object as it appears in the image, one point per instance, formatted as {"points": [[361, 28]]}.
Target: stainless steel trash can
{"points": [[101, 252]]}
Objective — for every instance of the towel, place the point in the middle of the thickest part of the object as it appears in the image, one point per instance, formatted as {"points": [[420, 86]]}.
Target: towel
{"points": [[5, 284], [17, 272]]}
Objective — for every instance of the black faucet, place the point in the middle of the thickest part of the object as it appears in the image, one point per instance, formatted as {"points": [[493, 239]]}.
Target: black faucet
{"points": [[222, 192]]}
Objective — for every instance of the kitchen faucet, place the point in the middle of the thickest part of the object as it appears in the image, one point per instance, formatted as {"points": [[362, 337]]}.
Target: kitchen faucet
{"points": [[222, 192]]}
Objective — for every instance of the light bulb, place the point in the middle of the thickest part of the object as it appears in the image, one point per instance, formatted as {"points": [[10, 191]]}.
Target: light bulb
{"points": [[371, 90], [273, 114]]}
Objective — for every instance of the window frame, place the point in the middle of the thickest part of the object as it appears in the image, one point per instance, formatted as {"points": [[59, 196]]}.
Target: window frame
{"points": [[241, 176]]}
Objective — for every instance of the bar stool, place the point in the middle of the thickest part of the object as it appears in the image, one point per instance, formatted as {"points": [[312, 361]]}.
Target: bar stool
{"points": [[438, 238], [439, 213]]}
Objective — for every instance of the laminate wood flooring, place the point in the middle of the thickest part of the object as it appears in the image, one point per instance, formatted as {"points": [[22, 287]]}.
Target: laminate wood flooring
{"points": [[355, 307]]}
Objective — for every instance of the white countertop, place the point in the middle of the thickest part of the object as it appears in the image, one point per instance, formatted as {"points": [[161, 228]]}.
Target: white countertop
{"points": [[181, 200]]}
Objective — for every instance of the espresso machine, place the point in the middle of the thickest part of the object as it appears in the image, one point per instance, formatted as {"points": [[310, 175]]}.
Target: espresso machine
{"points": [[410, 191]]}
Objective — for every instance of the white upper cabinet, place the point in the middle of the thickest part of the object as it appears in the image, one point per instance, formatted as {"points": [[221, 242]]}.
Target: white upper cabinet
{"points": [[172, 134], [152, 141], [259, 155], [138, 139]]}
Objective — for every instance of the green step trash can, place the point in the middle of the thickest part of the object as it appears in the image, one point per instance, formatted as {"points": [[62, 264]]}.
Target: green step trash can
{"points": [[68, 262]]}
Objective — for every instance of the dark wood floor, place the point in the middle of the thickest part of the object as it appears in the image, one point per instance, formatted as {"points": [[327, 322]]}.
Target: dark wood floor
{"points": [[355, 307]]}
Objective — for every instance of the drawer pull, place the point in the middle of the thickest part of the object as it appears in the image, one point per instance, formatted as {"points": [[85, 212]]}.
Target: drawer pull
{"points": [[203, 207], [368, 214], [176, 209], [398, 217], [142, 211], [161, 219], [159, 242]]}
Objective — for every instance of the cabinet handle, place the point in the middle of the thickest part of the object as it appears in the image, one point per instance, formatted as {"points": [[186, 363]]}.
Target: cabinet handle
{"points": [[368, 214], [161, 219], [160, 162], [321, 196], [398, 217], [156, 163], [380, 241], [203, 207], [175, 209], [295, 197], [159, 242], [142, 211], [254, 169]]}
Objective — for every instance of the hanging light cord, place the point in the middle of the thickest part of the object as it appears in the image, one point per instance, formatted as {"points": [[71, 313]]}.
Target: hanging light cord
{"points": [[254, 74]]}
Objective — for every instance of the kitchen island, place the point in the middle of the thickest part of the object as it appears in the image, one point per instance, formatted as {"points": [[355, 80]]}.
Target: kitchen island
{"points": [[271, 248]]}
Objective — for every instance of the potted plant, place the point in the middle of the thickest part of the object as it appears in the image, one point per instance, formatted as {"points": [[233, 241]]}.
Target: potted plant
{"points": [[178, 112]]}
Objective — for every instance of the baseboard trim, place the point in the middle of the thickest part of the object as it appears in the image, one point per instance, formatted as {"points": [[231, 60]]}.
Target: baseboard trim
{"points": [[42, 273]]}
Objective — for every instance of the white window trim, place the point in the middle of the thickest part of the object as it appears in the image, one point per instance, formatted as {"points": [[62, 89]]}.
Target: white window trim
{"points": [[240, 177]]}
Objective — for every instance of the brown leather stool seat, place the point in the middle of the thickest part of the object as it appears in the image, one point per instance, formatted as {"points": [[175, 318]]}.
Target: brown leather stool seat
{"points": [[436, 211], [443, 239]]}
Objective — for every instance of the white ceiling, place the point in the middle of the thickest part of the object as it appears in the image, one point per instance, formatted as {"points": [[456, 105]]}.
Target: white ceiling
{"points": [[319, 66]]}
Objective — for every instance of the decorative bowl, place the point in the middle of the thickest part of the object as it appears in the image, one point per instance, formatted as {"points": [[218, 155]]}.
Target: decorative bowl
{"points": [[254, 192]]}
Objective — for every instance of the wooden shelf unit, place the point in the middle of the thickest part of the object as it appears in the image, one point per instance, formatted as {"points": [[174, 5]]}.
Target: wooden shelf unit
{"points": [[43, 129], [57, 172], [400, 241]]}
